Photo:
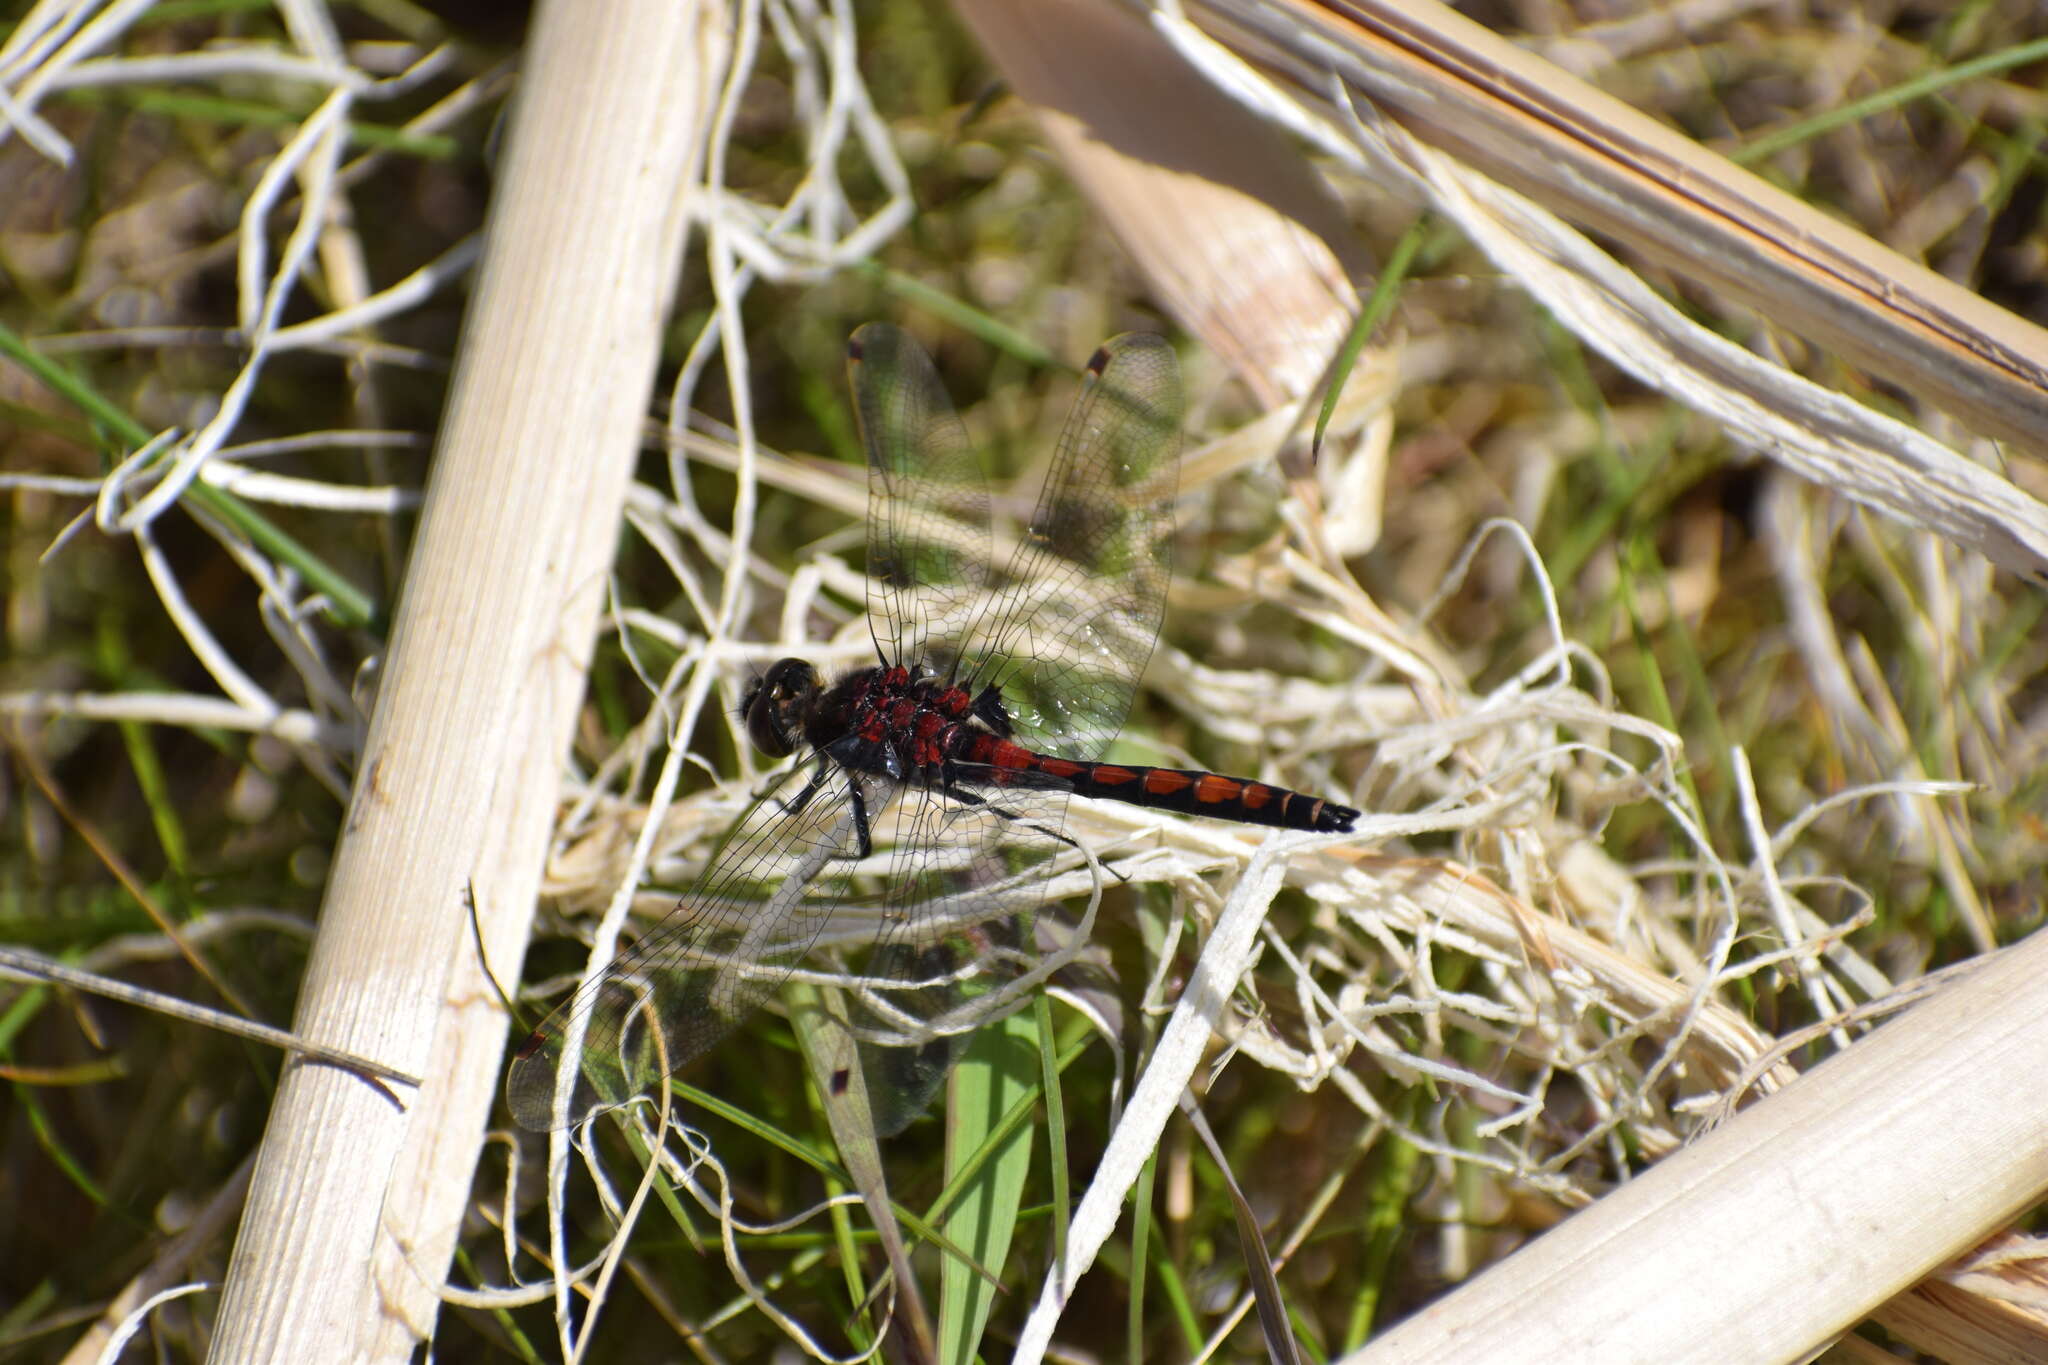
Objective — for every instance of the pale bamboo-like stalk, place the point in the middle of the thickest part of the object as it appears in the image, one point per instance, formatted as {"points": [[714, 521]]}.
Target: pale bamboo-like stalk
{"points": [[1384, 85], [1797, 1218], [356, 1199]]}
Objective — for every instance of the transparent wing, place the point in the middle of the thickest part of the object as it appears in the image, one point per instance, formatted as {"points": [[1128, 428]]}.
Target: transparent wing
{"points": [[928, 518], [1080, 605], [778, 879], [783, 884], [965, 880], [1065, 638]]}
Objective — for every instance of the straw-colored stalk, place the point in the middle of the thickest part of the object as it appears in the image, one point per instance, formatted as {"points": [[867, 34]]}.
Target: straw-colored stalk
{"points": [[358, 1194], [1786, 1226], [1534, 126]]}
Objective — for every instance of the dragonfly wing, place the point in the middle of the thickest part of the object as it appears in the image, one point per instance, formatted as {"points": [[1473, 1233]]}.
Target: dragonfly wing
{"points": [[965, 879], [1082, 600], [773, 885], [928, 507], [1064, 639]]}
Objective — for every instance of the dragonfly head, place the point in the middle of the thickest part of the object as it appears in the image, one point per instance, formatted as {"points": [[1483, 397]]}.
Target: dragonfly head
{"points": [[775, 706]]}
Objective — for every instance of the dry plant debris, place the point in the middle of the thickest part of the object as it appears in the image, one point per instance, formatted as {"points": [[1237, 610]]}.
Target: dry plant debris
{"points": [[1680, 768]]}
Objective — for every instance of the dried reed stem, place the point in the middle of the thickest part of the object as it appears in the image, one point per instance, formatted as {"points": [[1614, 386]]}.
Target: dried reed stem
{"points": [[1792, 1222], [356, 1199]]}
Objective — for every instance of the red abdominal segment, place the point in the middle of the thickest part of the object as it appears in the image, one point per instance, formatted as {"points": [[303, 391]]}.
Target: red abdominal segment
{"points": [[1189, 791]]}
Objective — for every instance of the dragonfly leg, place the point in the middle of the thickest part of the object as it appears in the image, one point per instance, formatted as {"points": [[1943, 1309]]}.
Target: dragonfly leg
{"points": [[860, 818], [968, 798], [795, 805]]}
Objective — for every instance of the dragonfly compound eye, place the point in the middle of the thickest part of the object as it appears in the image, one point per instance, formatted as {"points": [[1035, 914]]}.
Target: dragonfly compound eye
{"points": [[775, 707]]}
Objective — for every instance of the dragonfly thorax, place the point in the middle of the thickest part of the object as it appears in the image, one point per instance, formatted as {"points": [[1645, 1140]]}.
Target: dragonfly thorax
{"points": [[887, 719]]}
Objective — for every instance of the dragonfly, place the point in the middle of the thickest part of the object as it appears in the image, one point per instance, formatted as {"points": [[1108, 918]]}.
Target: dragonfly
{"points": [[928, 791]]}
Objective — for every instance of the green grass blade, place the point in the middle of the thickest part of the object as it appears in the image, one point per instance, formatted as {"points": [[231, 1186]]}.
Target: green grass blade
{"points": [[823, 1029], [804, 1152], [1175, 1287], [1275, 1323], [1049, 1066], [1141, 1233], [1386, 1223], [235, 113], [142, 755], [351, 606], [999, 1069], [1377, 306], [1904, 93], [966, 317]]}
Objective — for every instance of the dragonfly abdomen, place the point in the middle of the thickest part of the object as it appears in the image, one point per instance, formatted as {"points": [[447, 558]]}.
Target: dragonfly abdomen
{"points": [[1196, 792], [1191, 791]]}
